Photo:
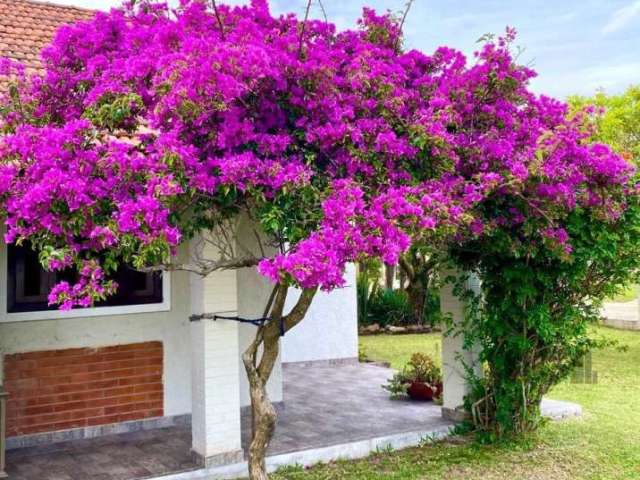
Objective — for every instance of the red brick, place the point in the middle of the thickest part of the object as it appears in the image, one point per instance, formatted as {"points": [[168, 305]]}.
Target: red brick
{"points": [[54, 390], [148, 387], [29, 411], [87, 413], [140, 380], [102, 420]]}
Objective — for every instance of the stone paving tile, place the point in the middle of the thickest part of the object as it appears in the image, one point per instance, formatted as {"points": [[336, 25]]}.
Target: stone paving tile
{"points": [[324, 405], [127, 456], [329, 405]]}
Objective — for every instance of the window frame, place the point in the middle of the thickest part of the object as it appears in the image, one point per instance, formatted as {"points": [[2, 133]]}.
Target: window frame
{"points": [[6, 317]]}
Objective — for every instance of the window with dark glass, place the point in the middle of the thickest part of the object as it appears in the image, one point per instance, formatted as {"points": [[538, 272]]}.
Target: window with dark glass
{"points": [[28, 284]]}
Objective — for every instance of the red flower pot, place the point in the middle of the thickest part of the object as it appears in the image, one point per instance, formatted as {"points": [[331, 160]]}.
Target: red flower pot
{"points": [[424, 391]]}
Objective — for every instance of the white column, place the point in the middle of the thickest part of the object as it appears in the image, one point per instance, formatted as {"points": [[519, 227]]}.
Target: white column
{"points": [[215, 392], [456, 359], [215, 373]]}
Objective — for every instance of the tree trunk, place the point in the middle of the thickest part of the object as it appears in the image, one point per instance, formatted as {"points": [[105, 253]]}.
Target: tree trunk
{"points": [[417, 296], [263, 413], [389, 272], [419, 272], [259, 369]]}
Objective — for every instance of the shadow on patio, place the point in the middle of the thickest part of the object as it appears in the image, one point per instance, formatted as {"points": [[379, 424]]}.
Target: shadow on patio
{"points": [[324, 406]]}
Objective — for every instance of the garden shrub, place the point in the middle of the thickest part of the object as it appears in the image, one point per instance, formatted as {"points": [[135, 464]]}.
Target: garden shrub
{"points": [[390, 307], [532, 322], [367, 284]]}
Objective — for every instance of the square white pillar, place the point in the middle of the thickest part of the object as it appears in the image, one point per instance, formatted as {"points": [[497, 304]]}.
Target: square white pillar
{"points": [[215, 384], [215, 371], [456, 360]]}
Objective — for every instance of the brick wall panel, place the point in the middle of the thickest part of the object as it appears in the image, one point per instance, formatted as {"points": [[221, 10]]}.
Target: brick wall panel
{"points": [[80, 387]]}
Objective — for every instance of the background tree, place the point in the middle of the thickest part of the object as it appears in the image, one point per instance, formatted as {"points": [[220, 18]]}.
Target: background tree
{"points": [[420, 268], [616, 119]]}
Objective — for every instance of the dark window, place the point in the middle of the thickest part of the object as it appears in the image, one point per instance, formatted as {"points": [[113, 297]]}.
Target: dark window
{"points": [[28, 284]]}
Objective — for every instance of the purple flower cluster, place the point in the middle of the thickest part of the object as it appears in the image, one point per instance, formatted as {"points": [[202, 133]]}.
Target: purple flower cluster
{"points": [[145, 117]]}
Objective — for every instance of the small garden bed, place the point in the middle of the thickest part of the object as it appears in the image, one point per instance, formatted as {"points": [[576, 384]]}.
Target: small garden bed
{"points": [[376, 329]]}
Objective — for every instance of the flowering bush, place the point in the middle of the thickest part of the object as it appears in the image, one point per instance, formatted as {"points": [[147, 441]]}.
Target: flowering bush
{"points": [[150, 126]]}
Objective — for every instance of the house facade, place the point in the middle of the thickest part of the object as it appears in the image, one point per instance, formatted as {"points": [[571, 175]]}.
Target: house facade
{"points": [[137, 361]]}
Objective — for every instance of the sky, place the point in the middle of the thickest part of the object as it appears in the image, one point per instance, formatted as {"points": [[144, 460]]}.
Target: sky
{"points": [[576, 46]]}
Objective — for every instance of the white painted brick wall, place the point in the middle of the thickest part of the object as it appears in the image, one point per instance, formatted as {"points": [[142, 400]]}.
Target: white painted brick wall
{"points": [[220, 293], [215, 365], [216, 388], [217, 292]]}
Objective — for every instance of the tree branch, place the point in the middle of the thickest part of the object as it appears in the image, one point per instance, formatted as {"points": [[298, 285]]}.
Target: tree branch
{"points": [[407, 267], [304, 25], [324, 12], [404, 19], [218, 18], [206, 267], [300, 309]]}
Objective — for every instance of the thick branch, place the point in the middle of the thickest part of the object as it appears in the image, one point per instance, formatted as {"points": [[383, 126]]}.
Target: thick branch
{"points": [[300, 309], [304, 26], [408, 268], [206, 267], [272, 298], [218, 18]]}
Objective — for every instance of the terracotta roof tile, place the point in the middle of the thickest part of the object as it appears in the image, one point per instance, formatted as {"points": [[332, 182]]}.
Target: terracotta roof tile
{"points": [[26, 27]]}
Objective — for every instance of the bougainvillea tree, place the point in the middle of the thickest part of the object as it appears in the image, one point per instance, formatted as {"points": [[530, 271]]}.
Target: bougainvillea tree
{"points": [[550, 251], [152, 127]]}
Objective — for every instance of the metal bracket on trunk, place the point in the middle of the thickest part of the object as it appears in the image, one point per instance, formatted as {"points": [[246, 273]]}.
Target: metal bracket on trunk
{"points": [[258, 322]]}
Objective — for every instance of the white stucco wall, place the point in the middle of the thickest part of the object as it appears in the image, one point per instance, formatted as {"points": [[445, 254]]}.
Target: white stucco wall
{"points": [[170, 327], [328, 332], [330, 329]]}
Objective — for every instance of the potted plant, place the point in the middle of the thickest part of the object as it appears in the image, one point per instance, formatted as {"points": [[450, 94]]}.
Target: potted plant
{"points": [[421, 379]]}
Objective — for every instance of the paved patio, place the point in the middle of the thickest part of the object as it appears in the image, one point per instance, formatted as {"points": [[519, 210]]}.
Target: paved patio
{"points": [[324, 406], [329, 412]]}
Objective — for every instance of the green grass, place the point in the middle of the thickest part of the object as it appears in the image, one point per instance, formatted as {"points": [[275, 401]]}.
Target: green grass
{"points": [[603, 445], [397, 349]]}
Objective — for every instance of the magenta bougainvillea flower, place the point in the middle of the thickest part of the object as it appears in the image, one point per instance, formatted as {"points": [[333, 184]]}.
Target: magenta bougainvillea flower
{"points": [[148, 122]]}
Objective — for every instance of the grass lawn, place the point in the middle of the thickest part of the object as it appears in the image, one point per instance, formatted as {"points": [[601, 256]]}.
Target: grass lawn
{"points": [[604, 444]]}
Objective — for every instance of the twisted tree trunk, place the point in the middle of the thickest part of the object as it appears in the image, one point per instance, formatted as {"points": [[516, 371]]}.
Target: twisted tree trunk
{"points": [[259, 360], [419, 272]]}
